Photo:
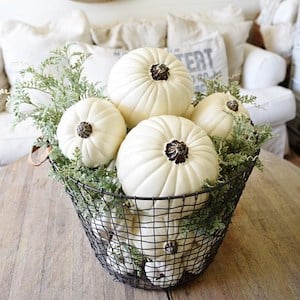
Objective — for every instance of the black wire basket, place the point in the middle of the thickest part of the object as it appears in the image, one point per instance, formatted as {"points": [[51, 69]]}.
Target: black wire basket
{"points": [[159, 248]]}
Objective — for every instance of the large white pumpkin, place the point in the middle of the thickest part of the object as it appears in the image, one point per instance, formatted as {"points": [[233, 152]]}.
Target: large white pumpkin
{"points": [[95, 127], [215, 114], [148, 82], [166, 156]]}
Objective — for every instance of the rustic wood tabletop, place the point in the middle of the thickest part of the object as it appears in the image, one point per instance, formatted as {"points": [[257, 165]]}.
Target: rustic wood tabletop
{"points": [[44, 253]]}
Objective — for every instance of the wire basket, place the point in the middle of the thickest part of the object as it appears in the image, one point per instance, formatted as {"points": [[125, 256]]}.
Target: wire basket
{"points": [[159, 248]]}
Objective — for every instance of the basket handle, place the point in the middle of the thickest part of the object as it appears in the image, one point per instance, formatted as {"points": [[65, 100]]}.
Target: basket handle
{"points": [[42, 156]]}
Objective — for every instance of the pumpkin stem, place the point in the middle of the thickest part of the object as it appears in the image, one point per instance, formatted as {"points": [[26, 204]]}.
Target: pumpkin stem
{"points": [[171, 247], [177, 151], [232, 105], [84, 129], [160, 72]]}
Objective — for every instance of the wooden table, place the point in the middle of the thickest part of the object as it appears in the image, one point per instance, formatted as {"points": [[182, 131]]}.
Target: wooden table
{"points": [[44, 253]]}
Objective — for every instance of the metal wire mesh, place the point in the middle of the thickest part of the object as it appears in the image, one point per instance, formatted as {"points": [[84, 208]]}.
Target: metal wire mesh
{"points": [[169, 243]]}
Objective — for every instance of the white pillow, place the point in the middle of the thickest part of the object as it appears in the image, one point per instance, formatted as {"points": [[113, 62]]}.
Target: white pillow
{"points": [[235, 34], [227, 14], [132, 34], [286, 12], [97, 66], [204, 59], [279, 38], [262, 68], [24, 45]]}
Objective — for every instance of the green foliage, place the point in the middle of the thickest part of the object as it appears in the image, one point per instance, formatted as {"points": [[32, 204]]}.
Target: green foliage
{"points": [[217, 86], [60, 78]]}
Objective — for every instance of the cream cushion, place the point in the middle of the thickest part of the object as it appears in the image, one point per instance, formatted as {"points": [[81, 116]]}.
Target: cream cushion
{"points": [[286, 12], [24, 45], [204, 59], [257, 66], [229, 13], [97, 66], [182, 30], [17, 141], [279, 38], [274, 105], [132, 34]]}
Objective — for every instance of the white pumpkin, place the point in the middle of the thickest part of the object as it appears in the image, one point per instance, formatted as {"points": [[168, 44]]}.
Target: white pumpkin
{"points": [[164, 273], [148, 82], [194, 259], [95, 127], [120, 259], [111, 222], [215, 114], [166, 156], [159, 238]]}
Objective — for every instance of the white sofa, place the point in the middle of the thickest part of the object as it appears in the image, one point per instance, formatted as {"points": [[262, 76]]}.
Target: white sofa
{"points": [[258, 71]]}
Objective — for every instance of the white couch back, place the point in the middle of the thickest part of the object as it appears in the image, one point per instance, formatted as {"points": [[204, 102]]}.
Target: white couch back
{"points": [[38, 12]]}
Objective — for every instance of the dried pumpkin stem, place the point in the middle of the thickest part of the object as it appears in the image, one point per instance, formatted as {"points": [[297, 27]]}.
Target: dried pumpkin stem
{"points": [[177, 151], [232, 105], [171, 247], [160, 72], [84, 129]]}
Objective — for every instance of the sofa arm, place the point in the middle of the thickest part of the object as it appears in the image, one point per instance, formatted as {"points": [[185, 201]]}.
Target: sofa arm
{"points": [[262, 68]]}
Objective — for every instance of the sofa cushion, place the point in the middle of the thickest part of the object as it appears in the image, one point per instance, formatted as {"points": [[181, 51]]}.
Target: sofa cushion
{"points": [[132, 34], [24, 45], [15, 142], [204, 59], [97, 66], [228, 14], [235, 34], [262, 68], [279, 38], [274, 105]]}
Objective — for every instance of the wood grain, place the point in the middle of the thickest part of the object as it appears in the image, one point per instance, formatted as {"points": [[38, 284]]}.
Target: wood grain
{"points": [[260, 256], [44, 253]]}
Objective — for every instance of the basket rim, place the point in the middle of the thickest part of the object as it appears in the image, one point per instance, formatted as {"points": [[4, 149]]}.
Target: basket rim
{"points": [[218, 185]]}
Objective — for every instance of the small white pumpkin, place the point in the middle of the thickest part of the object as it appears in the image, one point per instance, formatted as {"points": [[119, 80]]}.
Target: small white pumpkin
{"points": [[194, 259], [113, 222], [149, 82], [164, 273], [120, 259], [215, 114], [95, 127], [159, 238], [166, 156]]}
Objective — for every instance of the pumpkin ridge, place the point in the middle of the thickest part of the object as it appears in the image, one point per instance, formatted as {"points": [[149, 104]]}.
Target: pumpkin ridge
{"points": [[222, 117], [141, 181]]}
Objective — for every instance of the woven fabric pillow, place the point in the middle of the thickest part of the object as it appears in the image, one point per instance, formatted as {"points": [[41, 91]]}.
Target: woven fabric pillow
{"points": [[97, 66], [235, 34], [227, 14], [204, 59], [132, 34], [25, 45], [279, 38]]}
